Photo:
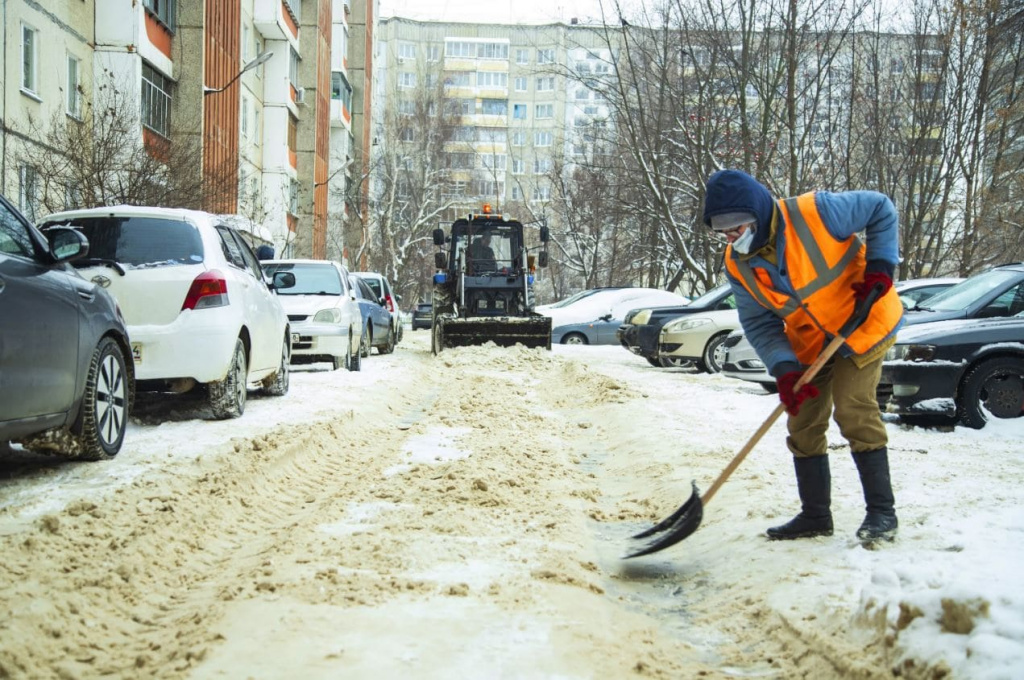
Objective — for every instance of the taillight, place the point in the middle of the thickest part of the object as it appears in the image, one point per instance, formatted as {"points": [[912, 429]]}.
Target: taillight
{"points": [[209, 289], [389, 303]]}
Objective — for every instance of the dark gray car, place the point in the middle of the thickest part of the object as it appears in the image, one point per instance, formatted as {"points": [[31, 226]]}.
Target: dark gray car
{"points": [[65, 385]]}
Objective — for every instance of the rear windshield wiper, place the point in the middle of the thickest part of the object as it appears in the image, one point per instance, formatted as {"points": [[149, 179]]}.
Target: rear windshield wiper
{"points": [[106, 262]]}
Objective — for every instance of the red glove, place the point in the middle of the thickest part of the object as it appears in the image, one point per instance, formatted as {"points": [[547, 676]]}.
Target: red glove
{"points": [[871, 279], [792, 400]]}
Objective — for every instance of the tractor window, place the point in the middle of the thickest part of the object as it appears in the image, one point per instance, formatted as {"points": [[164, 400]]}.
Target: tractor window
{"points": [[488, 252]]}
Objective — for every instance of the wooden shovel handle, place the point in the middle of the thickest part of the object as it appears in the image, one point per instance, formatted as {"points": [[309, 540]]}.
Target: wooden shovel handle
{"points": [[860, 313]]}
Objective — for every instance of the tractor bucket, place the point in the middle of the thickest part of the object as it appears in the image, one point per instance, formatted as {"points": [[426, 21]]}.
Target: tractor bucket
{"points": [[531, 331]]}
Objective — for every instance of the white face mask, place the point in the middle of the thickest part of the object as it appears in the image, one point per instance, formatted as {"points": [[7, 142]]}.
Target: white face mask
{"points": [[743, 243]]}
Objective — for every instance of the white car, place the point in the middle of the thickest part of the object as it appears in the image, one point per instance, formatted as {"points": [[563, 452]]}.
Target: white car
{"points": [[699, 338], [197, 305], [326, 324], [609, 305]]}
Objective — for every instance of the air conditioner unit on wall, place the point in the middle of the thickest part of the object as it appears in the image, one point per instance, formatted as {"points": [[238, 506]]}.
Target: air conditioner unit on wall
{"points": [[300, 95]]}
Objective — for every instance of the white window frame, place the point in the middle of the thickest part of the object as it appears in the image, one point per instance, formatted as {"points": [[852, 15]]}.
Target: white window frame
{"points": [[518, 166], [407, 80], [28, 192], [541, 166], [518, 139], [546, 84], [542, 138], [73, 96], [522, 56], [516, 108], [433, 53], [29, 59], [407, 51], [546, 56], [522, 83], [544, 111], [517, 193]]}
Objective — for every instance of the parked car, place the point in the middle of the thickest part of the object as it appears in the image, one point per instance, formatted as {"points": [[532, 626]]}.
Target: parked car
{"points": [[913, 291], [968, 369], [640, 331], [573, 298], [198, 308], [593, 319], [326, 324], [389, 300], [422, 316], [742, 362], [377, 323], [698, 338], [66, 385]]}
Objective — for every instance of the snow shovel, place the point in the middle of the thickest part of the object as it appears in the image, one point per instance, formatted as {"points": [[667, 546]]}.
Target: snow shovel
{"points": [[687, 518]]}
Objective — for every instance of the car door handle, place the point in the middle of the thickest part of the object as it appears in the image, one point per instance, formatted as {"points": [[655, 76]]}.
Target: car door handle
{"points": [[86, 295]]}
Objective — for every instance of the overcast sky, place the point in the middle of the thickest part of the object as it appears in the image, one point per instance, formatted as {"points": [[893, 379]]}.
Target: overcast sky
{"points": [[497, 11]]}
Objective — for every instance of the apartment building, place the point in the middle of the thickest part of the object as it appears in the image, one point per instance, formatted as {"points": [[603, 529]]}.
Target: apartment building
{"points": [[519, 94], [244, 85]]}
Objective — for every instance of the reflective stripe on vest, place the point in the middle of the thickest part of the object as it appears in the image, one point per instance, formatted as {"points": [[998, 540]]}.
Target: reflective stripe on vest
{"points": [[821, 270]]}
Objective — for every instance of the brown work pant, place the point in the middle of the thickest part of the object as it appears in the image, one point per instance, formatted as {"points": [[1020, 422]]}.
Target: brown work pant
{"points": [[851, 391]]}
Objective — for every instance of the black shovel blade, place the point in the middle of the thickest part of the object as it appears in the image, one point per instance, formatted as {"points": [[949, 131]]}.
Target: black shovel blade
{"points": [[675, 528]]}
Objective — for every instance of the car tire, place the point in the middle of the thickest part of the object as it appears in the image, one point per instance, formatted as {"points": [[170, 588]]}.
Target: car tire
{"points": [[355, 359], [713, 357], [673, 362], [389, 345], [770, 387], [103, 419], [227, 397], [654, 362], [574, 339], [995, 384], [277, 385], [365, 340]]}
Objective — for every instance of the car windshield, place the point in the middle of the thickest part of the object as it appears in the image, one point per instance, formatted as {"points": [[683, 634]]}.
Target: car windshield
{"points": [[965, 293], [310, 279], [708, 297], [137, 242], [573, 298]]}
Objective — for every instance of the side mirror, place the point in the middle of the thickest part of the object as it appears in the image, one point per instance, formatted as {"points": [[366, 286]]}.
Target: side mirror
{"points": [[439, 237], [545, 235], [440, 261], [67, 244], [542, 258], [606, 317], [398, 298], [283, 280]]}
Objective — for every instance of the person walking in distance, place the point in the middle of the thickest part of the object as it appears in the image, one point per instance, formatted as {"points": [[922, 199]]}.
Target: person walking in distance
{"points": [[797, 269]]}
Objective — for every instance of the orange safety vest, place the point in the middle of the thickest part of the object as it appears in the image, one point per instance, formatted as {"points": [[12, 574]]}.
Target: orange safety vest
{"points": [[821, 270]]}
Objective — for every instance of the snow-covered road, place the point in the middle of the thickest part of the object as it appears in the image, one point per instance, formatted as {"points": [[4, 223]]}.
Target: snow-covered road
{"points": [[464, 516]]}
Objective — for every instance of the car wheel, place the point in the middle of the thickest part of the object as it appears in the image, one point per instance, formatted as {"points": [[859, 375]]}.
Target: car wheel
{"points": [[355, 359], [575, 339], [389, 345], [103, 419], [714, 355], [998, 386], [364, 343], [401, 332], [277, 385], [227, 396], [674, 362], [654, 362], [770, 387]]}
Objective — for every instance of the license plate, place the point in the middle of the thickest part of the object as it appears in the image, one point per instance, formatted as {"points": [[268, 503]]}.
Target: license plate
{"points": [[137, 352]]}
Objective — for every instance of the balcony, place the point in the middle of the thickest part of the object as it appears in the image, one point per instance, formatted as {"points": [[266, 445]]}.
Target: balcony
{"points": [[278, 20]]}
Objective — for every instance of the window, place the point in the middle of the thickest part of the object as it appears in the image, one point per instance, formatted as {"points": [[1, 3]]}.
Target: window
{"points": [[546, 56], [542, 138], [293, 133], [545, 111], [492, 51], [293, 197], [519, 111], [257, 134], [14, 237], [407, 134], [582, 94], [518, 139], [156, 101], [542, 193], [491, 79], [542, 166], [495, 107], [546, 84], [521, 84], [247, 55], [463, 134], [493, 161], [29, 55], [490, 135], [341, 90], [28, 192], [460, 107], [407, 80], [245, 117], [406, 107], [164, 10], [293, 67], [459, 49], [73, 96], [461, 161], [517, 193], [433, 53], [522, 56], [518, 166], [406, 51], [458, 79]]}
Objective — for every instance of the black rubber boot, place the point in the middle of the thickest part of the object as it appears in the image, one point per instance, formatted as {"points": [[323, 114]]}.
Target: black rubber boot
{"points": [[880, 523], [814, 483]]}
